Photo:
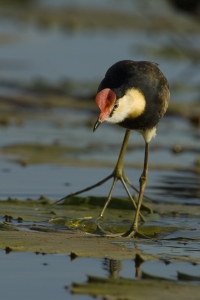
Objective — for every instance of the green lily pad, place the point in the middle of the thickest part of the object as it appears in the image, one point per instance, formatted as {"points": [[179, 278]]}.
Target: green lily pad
{"points": [[116, 203], [184, 234], [71, 223], [146, 275], [122, 288], [187, 277], [74, 228], [7, 227]]}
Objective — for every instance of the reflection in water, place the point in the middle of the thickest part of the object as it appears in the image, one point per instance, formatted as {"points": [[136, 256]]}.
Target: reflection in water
{"points": [[112, 266], [138, 263], [184, 185]]}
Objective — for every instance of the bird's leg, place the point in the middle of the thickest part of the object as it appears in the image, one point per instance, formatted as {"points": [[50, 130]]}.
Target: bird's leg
{"points": [[117, 174], [143, 181], [109, 198], [118, 171]]}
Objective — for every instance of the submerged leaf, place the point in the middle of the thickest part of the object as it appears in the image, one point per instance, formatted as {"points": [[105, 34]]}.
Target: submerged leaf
{"points": [[187, 277], [122, 288], [116, 203], [184, 234], [7, 227], [69, 222], [146, 275]]}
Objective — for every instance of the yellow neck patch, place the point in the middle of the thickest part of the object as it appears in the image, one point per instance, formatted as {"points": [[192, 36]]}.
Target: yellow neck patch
{"points": [[133, 103]]}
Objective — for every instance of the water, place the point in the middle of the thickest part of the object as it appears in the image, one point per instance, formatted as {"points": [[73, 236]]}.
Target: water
{"points": [[30, 53], [28, 273], [174, 181], [53, 55]]}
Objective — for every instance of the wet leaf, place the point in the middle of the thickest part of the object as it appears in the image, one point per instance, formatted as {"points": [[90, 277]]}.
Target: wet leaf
{"points": [[14, 248], [175, 53], [146, 275], [71, 223], [116, 203], [184, 234], [187, 277], [153, 231], [7, 227], [64, 241], [75, 230], [38, 153], [122, 288], [78, 19]]}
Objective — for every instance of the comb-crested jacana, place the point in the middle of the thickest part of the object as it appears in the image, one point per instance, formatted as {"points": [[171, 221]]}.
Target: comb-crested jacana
{"points": [[134, 95]]}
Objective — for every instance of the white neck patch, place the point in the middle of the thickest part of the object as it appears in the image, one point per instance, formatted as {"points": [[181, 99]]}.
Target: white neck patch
{"points": [[131, 105]]}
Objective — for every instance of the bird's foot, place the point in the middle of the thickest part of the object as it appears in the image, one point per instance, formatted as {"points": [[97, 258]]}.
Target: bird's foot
{"points": [[100, 218], [131, 233], [100, 231], [134, 233], [116, 175]]}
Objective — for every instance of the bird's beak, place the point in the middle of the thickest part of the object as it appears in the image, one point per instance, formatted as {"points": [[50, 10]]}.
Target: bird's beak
{"points": [[96, 125]]}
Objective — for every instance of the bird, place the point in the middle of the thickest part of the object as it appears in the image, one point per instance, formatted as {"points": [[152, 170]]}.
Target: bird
{"points": [[134, 95]]}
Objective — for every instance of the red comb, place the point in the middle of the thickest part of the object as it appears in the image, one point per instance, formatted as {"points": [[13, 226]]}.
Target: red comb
{"points": [[105, 99]]}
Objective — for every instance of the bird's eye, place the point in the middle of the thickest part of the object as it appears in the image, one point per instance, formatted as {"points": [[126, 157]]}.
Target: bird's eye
{"points": [[116, 105], [113, 108]]}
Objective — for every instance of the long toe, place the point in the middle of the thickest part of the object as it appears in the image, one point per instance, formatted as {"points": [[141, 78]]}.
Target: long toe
{"points": [[134, 234]]}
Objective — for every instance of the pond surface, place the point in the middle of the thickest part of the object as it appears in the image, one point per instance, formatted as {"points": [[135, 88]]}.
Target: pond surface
{"points": [[30, 52], [51, 66], [38, 275], [172, 175]]}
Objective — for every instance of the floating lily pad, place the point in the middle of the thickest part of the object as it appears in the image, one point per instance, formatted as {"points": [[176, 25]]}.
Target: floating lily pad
{"points": [[7, 227], [70, 223], [184, 234], [122, 288], [187, 277], [74, 228], [116, 203], [146, 275]]}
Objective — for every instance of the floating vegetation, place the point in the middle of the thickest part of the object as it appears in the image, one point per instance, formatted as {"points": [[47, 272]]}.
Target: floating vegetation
{"points": [[124, 288], [30, 227], [25, 154], [76, 19], [173, 52], [116, 203]]}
